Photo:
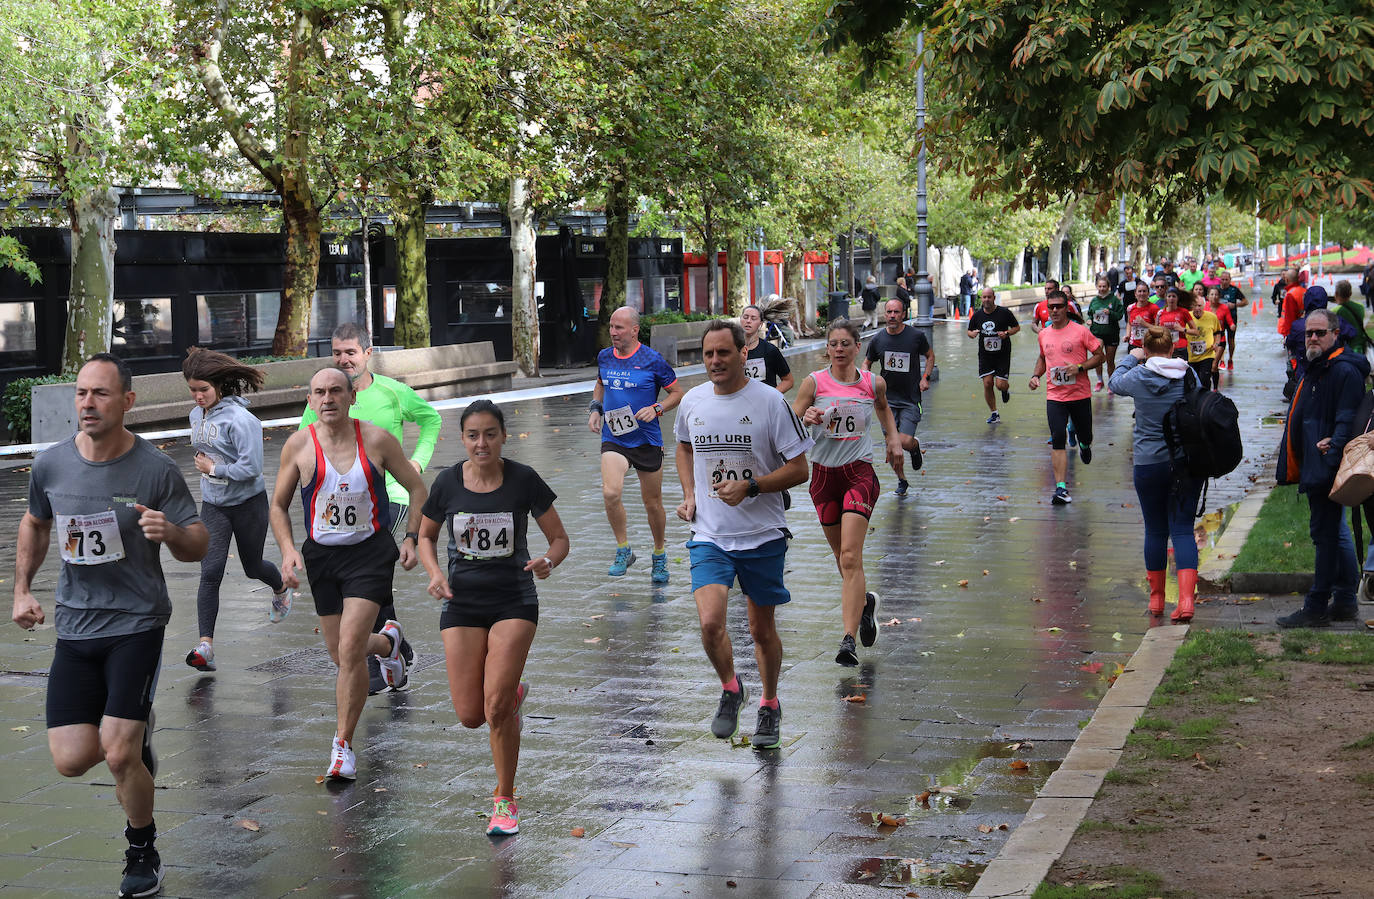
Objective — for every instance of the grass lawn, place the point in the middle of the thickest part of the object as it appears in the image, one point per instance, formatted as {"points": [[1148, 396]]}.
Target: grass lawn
{"points": [[1279, 540]]}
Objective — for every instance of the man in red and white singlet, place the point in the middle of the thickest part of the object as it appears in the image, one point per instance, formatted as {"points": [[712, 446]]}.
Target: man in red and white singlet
{"points": [[349, 555]]}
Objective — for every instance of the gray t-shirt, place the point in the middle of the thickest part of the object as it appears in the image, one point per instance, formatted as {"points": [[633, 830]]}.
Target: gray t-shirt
{"points": [[111, 582]]}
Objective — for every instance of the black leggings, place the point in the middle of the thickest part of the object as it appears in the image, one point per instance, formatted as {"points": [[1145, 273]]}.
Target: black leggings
{"points": [[1059, 413], [246, 523]]}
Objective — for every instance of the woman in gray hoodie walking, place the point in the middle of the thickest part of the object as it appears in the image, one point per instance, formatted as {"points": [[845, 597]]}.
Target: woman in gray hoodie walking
{"points": [[1168, 497], [227, 439]]}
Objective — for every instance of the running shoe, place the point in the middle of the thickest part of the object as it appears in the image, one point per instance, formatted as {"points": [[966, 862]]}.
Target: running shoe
{"points": [[768, 732], [868, 624], [202, 658], [407, 656], [281, 605], [1099, 387], [1349, 612], [916, 457], [149, 756], [726, 723], [901, 490], [1085, 453], [1303, 618], [343, 765], [393, 665], [848, 656], [1006, 396], [1061, 496], [375, 682], [994, 418], [143, 872], [505, 818], [1073, 437], [624, 558], [660, 571]]}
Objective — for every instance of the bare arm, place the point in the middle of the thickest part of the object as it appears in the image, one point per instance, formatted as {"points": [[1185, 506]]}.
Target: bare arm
{"points": [[30, 550], [394, 461], [594, 419], [288, 477], [930, 369], [1039, 370], [791, 474], [188, 544], [785, 382], [439, 586], [687, 478], [557, 535], [804, 405], [895, 456]]}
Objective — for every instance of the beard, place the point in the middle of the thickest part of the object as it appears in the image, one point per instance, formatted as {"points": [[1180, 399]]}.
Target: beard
{"points": [[1314, 353]]}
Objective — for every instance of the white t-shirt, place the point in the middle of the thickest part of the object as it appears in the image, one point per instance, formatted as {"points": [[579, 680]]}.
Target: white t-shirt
{"points": [[748, 433]]}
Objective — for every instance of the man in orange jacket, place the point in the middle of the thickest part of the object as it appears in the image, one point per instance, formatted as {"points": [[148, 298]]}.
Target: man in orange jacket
{"points": [[1292, 308]]}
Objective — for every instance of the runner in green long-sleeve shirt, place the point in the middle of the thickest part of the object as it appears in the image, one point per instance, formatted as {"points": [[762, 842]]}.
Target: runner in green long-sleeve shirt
{"points": [[388, 404]]}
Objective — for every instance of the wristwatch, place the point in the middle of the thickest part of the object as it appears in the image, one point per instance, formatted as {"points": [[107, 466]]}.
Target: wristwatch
{"points": [[594, 406], [412, 536], [753, 487], [658, 409]]}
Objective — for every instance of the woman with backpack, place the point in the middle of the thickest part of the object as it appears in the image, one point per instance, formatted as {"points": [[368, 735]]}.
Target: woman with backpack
{"points": [[1155, 379]]}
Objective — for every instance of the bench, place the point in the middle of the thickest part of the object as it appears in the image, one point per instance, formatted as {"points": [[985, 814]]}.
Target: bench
{"points": [[163, 402], [679, 342]]}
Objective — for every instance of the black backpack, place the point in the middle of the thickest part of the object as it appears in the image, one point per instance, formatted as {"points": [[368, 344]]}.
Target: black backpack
{"points": [[1202, 431]]}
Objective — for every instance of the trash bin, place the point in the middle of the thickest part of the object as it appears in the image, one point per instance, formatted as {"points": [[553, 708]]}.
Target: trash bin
{"points": [[837, 305]]}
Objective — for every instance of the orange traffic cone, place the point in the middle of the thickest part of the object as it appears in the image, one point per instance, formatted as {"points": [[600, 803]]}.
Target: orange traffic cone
{"points": [[956, 312], [1254, 309]]}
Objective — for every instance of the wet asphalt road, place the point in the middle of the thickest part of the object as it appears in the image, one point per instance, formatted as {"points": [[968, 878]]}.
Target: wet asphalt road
{"points": [[616, 738]]}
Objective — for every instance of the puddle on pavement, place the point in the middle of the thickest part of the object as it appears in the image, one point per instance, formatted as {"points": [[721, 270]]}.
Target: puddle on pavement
{"points": [[893, 872], [1212, 525], [1272, 420]]}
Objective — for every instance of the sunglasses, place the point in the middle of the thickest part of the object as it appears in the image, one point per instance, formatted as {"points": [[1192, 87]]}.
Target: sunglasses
{"points": [[1057, 306], [1317, 332]]}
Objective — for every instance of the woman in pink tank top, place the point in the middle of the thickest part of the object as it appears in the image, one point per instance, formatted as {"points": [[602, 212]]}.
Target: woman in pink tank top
{"points": [[839, 402]]}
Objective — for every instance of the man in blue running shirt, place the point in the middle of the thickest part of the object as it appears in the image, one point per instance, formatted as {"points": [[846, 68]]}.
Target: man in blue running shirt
{"points": [[625, 410]]}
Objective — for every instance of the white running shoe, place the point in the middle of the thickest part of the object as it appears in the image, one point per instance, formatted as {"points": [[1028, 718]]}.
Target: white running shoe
{"points": [[393, 665], [281, 605], [202, 658], [343, 765]]}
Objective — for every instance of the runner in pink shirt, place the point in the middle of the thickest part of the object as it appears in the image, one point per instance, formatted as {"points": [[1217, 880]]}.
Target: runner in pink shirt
{"points": [[1068, 351]]}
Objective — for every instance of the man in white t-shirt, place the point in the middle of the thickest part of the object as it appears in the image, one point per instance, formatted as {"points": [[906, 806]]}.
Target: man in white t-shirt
{"points": [[739, 446]]}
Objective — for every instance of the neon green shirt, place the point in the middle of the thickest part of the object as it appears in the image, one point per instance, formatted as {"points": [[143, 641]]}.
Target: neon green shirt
{"points": [[1191, 278], [387, 403]]}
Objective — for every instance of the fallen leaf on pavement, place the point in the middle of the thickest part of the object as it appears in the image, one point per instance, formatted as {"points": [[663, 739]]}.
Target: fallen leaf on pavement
{"points": [[963, 583], [624, 845], [1054, 630], [1019, 765], [596, 617], [924, 799], [940, 562], [857, 697], [986, 572], [1017, 518], [249, 824], [420, 765], [985, 828], [1091, 667], [886, 820], [893, 623], [319, 779], [593, 640], [22, 729], [579, 832]]}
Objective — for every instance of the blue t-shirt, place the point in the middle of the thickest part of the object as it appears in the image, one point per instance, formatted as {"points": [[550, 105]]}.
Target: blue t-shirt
{"points": [[631, 384]]}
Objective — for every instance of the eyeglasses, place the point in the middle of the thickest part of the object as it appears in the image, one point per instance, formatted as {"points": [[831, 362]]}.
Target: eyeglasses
{"points": [[1317, 332], [1058, 306]]}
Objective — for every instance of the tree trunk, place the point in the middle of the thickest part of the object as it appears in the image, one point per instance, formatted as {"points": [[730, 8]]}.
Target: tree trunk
{"points": [[1018, 268], [1085, 266], [1055, 263], [794, 286], [617, 255], [736, 272], [524, 319], [299, 276], [412, 272], [875, 255], [90, 305]]}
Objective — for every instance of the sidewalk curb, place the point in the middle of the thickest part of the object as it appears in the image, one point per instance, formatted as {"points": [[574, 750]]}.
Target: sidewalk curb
{"points": [[1214, 572], [1062, 803]]}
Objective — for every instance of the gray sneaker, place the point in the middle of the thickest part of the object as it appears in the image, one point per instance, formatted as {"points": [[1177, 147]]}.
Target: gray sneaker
{"points": [[726, 723], [768, 733]]}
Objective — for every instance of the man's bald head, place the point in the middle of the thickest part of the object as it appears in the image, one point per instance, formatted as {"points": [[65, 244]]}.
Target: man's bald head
{"points": [[331, 373], [625, 330]]}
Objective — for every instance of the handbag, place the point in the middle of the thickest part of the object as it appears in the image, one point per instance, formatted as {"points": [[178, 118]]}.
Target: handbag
{"points": [[1355, 478]]}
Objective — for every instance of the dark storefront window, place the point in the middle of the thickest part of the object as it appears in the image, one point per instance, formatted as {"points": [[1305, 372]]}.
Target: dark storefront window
{"points": [[334, 307], [18, 334], [479, 301], [142, 327], [237, 320]]}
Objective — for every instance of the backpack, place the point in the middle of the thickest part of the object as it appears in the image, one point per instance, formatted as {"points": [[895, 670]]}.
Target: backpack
{"points": [[1202, 430]]}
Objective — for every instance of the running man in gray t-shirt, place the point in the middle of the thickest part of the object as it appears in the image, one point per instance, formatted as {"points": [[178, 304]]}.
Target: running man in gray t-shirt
{"points": [[114, 500]]}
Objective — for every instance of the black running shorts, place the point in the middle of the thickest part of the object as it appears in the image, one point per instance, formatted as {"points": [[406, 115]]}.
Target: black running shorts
{"points": [[113, 677], [363, 570]]}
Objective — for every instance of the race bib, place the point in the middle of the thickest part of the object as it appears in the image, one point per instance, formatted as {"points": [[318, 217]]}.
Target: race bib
{"points": [[992, 344], [90, 539], [846, 420], [484, 535], [1138, 332], [1101, 317], [345, 513], [756, 369], [1064, 376], [730, 465], [896, 361], [621, 421], [1197, 347]]}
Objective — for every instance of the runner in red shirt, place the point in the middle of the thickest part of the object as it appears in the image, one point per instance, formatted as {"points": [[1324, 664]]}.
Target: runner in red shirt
{"points": [[1140, 314], [1222, 311], [1177, 319]]}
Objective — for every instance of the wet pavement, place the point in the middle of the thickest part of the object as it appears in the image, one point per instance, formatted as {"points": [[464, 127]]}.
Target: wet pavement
{"points": [[616, 738]]}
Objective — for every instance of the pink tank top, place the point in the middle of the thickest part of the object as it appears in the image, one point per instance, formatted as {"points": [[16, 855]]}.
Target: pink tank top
{"points": [[842, 436]]}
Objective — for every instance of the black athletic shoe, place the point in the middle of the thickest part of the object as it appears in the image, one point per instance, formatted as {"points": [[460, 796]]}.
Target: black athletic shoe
{"points": [[848, 656], [916, 460], [1073, 438], [1345, 613], [149, 756], [901, 488], [1085, 453], [1061, 496], [1303, 618], [143, 872], [375, 682], [726, 723], [868, 624], [768, 732], [1006, 396]]}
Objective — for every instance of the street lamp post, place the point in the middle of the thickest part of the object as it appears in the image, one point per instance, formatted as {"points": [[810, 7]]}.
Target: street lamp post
{"points": [[925, 293], [1121, 215]]}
